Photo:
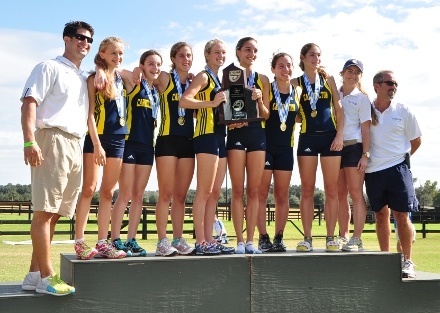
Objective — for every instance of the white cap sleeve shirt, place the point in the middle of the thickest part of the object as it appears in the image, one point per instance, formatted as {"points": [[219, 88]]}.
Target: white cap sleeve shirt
{"points": [[357, 110], [60, 90], [390, 139]]}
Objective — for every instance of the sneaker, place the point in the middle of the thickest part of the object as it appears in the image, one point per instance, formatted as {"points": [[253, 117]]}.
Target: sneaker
{"points": [[53, 285], [305, 245], [119, 245], [241, 249], [83, 251], [408, 269], [342, 242], [264, 243], [354, 244], [223, 249], [30, 281], [182, 247], [164, 248], [206, 249], [108, 250], [133, 248], [250, 249], [331, 245], [225, 239], [278, 243]]}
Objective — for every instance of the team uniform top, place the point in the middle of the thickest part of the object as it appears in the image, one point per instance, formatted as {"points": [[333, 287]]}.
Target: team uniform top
{"points": [[169, 105], [140, 121], [357, 110], [60, 90], [207, 118], [325, 120], [390, 139], [258, 85], [274, 135], [107, 116]]}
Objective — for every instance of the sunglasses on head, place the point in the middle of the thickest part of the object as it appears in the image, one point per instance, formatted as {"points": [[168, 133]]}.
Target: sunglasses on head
{"points": [[389, 83], [82, 38]]}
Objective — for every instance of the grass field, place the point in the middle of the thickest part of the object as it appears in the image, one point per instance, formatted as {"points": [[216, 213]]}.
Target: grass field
{"points": [[14, 259]]}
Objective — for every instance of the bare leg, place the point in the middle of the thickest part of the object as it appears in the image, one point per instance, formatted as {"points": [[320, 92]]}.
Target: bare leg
{"points": [[383, 229]]}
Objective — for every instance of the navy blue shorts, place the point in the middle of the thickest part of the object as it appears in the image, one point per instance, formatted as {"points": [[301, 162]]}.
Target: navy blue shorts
{"points": [[351, 155], [279, 158], [211, 144], [246, 138], [176, 146], [113, 145], [393, 187], [312, 145], [138, 153]]}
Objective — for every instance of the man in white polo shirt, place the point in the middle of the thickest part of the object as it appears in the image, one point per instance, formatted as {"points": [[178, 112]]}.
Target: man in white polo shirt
{"points": [[388, 180], [54, 119]]}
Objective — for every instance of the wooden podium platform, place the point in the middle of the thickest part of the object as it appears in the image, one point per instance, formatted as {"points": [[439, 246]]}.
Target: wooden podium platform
{"points": [[283, 282]]}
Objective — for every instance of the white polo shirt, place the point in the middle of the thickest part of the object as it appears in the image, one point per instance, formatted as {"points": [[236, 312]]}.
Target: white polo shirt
{"points": [[60, 89], [390, 139], [357, 110]]}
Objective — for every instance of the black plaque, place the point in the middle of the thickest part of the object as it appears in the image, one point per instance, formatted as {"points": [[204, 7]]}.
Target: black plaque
{"points": [[239, 106]]}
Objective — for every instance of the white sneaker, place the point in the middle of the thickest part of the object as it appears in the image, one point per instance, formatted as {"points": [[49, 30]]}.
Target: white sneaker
{"points": [[250, 249], [240, 248], [304, 246], [408, 269], [354, 244], [164, 248], [30, 281]]}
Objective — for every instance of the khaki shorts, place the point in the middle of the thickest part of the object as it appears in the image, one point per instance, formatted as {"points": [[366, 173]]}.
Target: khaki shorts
{"points": [[56, 183]]}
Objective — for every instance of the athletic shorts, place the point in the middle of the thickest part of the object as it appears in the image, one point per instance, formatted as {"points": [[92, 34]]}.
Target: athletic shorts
{"points": [[351, 155], [56, 183], [279, 158], [211, 144], [176, 146], [113, 145], [246, 138], [393, 187], [312, 145], [138, 153]]}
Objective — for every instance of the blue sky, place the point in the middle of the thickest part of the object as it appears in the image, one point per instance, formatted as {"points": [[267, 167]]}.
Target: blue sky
{"points": [[397, 35]]}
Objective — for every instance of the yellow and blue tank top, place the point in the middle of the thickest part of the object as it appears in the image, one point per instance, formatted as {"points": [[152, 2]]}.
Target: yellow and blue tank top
{"points": [[169, 107], [325, 120], [259, 85], [107, 116], [207, 118], [274, 135]]}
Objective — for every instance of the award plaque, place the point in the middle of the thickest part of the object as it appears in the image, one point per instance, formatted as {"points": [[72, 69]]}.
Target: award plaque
{"points": [[239, 106]]}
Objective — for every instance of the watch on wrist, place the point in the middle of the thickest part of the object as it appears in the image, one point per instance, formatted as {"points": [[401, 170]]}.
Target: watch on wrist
{"points": [[366, 154]]}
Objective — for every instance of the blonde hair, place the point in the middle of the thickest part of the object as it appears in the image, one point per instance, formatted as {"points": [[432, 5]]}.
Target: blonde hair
{"points": [[209, 45]]}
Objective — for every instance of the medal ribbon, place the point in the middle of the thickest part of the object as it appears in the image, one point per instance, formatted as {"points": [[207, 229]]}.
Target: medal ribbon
{"points": [[213, 76], [283, 109], [251, 79], [120, 99], [153, 97], [181, 111], [313, 96]]}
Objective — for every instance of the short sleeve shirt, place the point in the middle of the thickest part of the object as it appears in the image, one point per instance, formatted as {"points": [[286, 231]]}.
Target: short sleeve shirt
{"points": [[357, 110]]}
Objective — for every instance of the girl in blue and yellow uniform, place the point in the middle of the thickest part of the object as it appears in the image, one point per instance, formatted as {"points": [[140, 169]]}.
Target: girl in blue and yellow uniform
{"points": [[246, 147], [322, 123], [209, 145], [103, 146], [280, 126]]}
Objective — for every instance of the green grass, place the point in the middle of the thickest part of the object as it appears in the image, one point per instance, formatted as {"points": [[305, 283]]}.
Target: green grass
{"points": [[14, 259]]}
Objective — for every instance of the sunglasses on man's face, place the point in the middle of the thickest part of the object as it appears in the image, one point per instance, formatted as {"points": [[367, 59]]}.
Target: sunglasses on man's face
{"points": [[82, 38], [389, 83]]}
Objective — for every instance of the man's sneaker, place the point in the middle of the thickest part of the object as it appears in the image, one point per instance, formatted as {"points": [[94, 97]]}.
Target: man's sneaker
{"points": [[182, 247], [354, 244], [331, 245], [241, 249], [408, 269], [133, 248], [53, 285], [164, 248], [30, 281], [305, 245], [119, 245], [250, 249], [264, 243], [107, 250], [342, 242], [206, 249], [83, 251], [278, 243], [223, 249]]}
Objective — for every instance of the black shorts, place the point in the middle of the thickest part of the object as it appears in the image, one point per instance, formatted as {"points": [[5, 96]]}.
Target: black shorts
{"points": [[138, 153], [113, 145], [246, 138], [393, 187], [211, 144], [351, 155], [312, 145], [279, 158], [176, 146]]}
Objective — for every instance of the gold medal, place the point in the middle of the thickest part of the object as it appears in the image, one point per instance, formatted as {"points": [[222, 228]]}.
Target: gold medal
{"points": [[181, 120], [314, 113], [122, 121], [283, 126]]}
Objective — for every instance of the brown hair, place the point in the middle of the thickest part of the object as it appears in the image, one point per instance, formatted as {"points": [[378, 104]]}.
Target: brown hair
{"points": [[306, 48], [175, 48], [241, 43], [147, 53]]}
